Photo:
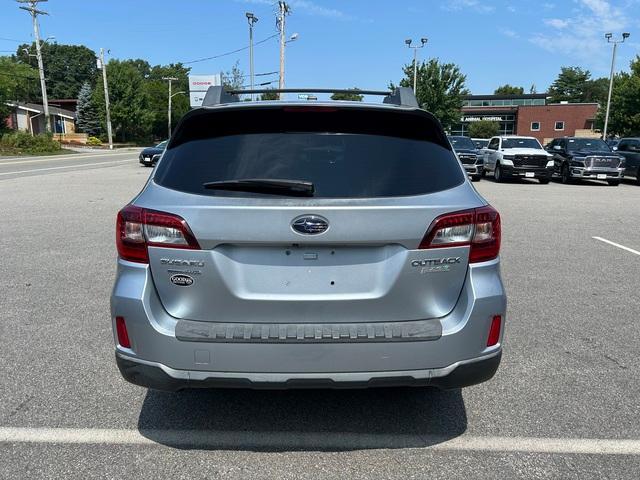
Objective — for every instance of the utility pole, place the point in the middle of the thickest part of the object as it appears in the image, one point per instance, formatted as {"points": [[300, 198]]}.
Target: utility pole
{"points": [[408, 42], [252, 19], [36, 33], [283, 11], [103, 66], [609, 37], [170, 80]]}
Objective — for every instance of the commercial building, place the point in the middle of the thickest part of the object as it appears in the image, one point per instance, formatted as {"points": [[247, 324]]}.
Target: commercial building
{"points": [[29, 117], [530, 115]]}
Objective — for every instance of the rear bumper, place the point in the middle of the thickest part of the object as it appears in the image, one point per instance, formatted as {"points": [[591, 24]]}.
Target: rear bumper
{"points": [[161, 356], [160, 377]]}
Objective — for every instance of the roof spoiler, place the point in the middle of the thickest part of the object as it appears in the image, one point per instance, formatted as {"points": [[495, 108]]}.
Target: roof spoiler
{"points": [[401, 96]]}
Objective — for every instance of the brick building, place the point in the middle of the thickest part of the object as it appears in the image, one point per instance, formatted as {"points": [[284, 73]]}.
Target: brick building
{"points": [[530, 115]]}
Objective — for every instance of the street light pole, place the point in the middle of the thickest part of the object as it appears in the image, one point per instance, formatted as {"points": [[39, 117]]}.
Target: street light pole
{"points": [[252, 19], [169, 79], [408, 42], [103, 66], [609, 37], [283, 11], [36, 33]]}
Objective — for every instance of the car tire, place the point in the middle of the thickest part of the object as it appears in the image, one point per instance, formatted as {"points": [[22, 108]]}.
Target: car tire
{"points": [[476, 178], [565, 175], [484, 173], [498, 176], [613, 183], [638, 177], [544, 181]]}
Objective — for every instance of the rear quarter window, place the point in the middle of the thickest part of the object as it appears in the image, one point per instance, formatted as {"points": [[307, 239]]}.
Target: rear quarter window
{"points": [[346, 154]]}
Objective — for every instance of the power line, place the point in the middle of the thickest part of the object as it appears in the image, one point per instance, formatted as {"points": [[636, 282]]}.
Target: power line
{"points": [[14, 40], [229, 53]]}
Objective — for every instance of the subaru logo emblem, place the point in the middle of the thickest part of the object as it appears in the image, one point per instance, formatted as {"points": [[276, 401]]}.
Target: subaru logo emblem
{"points": [[310, 225]]}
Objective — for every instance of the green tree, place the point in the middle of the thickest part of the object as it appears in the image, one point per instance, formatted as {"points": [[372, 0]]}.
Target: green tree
{"points": [[570, 86], [18, 82], [234, 78], [440, 89], [484, 129], [66, 67], [88, 118], [624, 119], [269, 95], [131, 117], [596, 91], [158, 93], [351, 96], [509, 90]]}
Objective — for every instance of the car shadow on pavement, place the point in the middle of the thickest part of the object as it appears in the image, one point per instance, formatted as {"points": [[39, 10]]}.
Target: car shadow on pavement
{"points": [[299, 420]]}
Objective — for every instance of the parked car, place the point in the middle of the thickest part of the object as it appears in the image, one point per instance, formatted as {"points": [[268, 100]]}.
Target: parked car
{"points": [[469, 156], [517, 157], [629, 148], [613, 143], [480, 143], [585, 159], [150, 155], [336, 244]]}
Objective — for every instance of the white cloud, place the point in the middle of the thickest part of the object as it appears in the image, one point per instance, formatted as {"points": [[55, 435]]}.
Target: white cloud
{"points": [[475, 5], [507, 32], [557, 23], [582, 35], [305, 6]]}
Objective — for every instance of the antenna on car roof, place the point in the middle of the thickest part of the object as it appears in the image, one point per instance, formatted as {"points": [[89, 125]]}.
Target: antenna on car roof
{"points": [[401, 96]]}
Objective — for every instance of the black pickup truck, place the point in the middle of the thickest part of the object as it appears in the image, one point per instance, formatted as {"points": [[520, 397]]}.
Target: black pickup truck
{"points": [[577, 159], [469, 156], [629, 148]]}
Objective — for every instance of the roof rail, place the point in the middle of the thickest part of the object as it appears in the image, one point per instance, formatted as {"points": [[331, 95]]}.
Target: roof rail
{"points": [[402, 96]]}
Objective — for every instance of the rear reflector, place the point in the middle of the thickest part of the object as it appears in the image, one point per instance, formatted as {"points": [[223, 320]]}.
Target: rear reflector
{"points": [[494, 331], [479, 228], [123, 335], [138, 228]]}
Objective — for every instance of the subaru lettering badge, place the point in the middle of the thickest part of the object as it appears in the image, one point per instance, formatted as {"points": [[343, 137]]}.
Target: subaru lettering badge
{"points": [[310, 225]]}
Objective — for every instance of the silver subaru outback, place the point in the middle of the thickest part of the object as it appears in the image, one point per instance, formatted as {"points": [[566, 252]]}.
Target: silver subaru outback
{"points": [[292, 244]]}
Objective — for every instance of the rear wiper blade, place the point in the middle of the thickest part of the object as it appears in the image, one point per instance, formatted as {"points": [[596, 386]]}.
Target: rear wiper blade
{"points": [[292, 188]]}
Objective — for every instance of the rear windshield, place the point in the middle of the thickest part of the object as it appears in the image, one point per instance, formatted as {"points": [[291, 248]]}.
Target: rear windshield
{"points": [[343, 162]]}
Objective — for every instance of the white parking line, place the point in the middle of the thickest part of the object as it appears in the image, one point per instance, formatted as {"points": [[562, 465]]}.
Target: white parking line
{"points": [[66, 157], [217, 439], [65, 166], [616, 245]]}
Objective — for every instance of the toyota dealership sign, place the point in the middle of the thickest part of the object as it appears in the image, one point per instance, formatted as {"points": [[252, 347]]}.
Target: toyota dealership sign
{"points": [[198, 86]]}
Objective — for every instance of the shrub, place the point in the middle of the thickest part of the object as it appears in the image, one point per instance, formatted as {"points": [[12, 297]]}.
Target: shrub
{"points": [[23, 142], [94, 141]]}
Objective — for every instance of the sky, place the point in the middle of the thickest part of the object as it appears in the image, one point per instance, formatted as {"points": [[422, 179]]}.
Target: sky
{"points": [[348, 43]]}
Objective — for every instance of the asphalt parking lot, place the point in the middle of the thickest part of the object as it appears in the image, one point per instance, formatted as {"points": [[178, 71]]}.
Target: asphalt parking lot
{"points": [[564, 403]]}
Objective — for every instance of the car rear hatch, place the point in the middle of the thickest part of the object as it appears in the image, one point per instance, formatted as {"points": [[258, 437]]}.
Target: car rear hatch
{"points": [[348, 252]]}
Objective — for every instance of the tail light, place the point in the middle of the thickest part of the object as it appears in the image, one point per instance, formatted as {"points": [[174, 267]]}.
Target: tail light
{"points": [[478, 228], [494, 331], [138, 228], [123, 335]]}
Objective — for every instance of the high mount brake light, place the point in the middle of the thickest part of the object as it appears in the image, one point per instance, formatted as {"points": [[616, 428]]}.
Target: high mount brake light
{"points": [[138, 228], [478, 228]]}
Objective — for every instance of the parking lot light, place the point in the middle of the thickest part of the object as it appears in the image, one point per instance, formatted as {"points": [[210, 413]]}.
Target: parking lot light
{"points": [[609, 37]]}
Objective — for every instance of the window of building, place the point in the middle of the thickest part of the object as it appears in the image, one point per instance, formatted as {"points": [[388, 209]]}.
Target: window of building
{"points": [[535, 126], [559, 126]]}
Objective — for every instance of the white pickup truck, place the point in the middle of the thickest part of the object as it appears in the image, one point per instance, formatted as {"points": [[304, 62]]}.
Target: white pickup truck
{"points": [[514, 157]]}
